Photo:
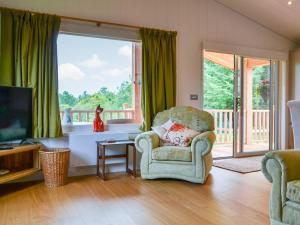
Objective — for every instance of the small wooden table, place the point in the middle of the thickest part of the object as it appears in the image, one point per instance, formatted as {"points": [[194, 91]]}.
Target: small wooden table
{"points": [[102, 157]]}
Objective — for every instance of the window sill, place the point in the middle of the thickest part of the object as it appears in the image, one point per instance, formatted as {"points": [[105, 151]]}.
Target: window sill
{"points": [[87, 128]]}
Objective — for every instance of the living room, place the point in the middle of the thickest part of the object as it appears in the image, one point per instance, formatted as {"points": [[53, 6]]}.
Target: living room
{"points": [[149, 112]]}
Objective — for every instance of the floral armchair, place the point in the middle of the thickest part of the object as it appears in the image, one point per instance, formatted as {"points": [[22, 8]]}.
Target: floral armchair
{"points": [[191, 163]]}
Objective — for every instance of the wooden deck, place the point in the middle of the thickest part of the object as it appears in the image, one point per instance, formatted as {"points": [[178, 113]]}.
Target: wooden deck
{"points": [[226, 150]]}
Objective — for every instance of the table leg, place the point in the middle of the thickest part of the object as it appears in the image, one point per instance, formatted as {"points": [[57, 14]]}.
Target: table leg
{"points": [[127, 170], [103, 162], [134, 160], [97, 172]]}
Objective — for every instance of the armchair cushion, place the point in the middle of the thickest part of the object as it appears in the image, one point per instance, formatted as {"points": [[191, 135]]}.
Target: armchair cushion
{"points": [[172, 153], [293, 191]]}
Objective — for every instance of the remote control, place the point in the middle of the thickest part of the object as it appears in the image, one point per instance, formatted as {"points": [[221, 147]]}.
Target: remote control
{"points": [[3, 172], [5, 147]]}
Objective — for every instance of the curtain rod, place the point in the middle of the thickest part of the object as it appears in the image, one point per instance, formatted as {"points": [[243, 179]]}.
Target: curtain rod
{"points": [[97, 22]]}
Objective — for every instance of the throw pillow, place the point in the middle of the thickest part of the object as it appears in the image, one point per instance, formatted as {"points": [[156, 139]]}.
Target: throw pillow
{"points": [[167, 125], [160, 131], [180, 135]]}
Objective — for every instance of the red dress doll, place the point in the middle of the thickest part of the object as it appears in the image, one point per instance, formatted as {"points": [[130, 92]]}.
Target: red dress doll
{"points": [[98, 123]]}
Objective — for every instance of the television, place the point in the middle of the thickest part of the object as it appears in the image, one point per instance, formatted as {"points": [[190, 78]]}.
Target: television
{"points": [[15, 114]]}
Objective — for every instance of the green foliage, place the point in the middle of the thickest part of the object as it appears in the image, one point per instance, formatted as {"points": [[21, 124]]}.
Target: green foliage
{"points": [[91, 101], [84, 95], [219, 86], [106, 98], [124, 94], [261, 87], [67, 100]]}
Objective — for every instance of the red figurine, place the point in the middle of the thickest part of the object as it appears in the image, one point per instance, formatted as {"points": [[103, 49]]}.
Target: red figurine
{"points": [[98, 123]]}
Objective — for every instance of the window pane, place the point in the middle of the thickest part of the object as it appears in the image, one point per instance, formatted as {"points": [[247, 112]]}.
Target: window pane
{"points": [[95, 71]]}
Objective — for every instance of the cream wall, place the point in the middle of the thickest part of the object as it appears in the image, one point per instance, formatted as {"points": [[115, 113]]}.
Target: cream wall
{"points": [[195, 20], [295, 75]]}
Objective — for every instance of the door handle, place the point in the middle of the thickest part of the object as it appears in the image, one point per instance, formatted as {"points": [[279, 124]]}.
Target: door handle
{"points": [[237, 103]]}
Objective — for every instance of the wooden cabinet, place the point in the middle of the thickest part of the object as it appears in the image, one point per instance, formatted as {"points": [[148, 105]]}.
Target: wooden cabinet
{"points": [[21, 161]]}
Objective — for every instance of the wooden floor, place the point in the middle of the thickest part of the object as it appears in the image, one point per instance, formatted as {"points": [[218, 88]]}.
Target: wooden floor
{"points": [[227, 198]]}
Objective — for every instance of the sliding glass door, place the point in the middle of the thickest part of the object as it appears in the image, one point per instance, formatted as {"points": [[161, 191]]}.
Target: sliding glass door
{"points": [[240, 92], [255, 83]]}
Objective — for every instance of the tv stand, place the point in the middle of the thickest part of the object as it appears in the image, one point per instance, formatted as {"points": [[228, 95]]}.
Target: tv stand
{"points": [[22, 169]]}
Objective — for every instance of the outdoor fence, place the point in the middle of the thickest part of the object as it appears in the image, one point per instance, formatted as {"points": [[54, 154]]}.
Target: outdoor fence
{"points": [[87, 116], [224, 126]]}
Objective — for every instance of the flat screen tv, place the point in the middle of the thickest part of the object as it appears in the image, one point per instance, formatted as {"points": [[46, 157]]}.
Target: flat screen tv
{"points": [[15, 113]]}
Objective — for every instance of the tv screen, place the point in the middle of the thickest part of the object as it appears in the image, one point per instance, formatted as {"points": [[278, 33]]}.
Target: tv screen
{"points": [[15, 113]]}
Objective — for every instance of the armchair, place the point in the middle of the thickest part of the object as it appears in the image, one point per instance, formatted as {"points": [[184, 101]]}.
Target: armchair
{"points": [[295, 117], [187, 163], [282, 168]]}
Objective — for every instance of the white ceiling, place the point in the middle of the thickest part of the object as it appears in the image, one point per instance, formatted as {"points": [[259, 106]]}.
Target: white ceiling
{"points": [[276, 15]]}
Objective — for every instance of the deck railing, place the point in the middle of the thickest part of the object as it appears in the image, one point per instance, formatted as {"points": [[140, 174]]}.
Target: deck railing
{"points": [[87, 116], [223, 119], [224, 126]]}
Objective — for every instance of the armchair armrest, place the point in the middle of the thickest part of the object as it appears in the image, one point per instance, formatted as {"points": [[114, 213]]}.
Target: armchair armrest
{"points": [[147, 140], [280, 167], [203, 142], [287, 161]]}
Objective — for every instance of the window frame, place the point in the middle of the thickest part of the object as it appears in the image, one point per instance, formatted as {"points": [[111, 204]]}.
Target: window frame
{"points": [[79, 28]]}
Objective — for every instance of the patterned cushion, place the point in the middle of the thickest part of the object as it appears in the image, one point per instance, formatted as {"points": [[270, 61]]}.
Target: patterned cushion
{"points": [[172, 153], [180, 135], [293, 191]]}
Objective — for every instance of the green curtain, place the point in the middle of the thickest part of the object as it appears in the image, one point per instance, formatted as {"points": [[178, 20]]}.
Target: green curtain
{"points": [[28, 58], [158, 73]]}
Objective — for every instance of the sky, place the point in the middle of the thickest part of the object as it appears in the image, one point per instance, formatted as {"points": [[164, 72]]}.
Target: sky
{"points": [[89, 63]]}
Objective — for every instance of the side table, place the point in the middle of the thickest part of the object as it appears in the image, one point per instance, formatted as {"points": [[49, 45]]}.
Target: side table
{"points": [[102, 157]]}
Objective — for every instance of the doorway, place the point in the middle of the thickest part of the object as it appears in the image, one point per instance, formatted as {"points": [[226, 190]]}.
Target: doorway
{"points": [[240, 93]]}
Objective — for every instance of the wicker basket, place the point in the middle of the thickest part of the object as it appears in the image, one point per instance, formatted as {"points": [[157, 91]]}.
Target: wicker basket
{"points": [[55, 164]]}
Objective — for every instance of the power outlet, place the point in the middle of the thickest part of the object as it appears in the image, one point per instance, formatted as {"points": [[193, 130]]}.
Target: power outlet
{"points": [[193, 97]]}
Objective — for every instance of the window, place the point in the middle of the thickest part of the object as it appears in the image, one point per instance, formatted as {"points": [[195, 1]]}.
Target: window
{"points": [[92, 71]]}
